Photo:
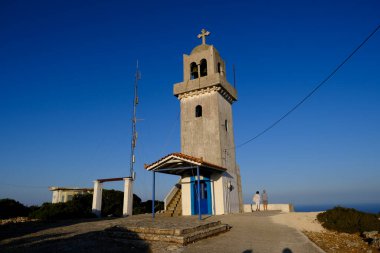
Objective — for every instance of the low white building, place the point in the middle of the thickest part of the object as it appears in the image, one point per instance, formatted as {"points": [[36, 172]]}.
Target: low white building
{"points": [[63, 194]]}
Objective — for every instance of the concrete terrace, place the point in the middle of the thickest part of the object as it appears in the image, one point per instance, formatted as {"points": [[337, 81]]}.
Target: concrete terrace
{"points": [[248, 233]]}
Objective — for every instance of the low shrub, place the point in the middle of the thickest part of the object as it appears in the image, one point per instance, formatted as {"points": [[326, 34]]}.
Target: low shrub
{"points": [[10, 208], [78, 207], [348, 220], [112, 203], [146, 207]]}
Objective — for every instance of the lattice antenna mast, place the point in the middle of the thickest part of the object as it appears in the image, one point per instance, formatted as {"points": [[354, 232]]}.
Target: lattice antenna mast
{"points": [[134, 120]]}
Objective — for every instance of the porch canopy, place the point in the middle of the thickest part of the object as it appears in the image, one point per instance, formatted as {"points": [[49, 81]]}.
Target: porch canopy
{"points": [[179, 164]]}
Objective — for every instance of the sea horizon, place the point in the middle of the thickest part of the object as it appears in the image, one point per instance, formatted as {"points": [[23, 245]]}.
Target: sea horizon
{"points": [[368, 208]]}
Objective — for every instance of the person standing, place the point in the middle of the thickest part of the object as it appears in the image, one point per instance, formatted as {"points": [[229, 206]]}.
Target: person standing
{"points": [[265, 200], [256, 200]]}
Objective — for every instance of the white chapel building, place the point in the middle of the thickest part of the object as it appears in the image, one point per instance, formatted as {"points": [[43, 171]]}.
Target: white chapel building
{"points": [[207, 139]]}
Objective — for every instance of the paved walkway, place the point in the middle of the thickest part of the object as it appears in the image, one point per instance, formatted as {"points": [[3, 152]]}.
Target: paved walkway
{"points": [[255, 233], [250, 233]]}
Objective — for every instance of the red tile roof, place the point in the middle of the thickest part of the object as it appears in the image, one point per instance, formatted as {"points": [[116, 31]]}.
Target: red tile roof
{"points": [[193, 159]]}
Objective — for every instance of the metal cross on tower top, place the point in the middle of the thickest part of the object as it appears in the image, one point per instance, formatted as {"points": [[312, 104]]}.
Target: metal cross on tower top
{"points": [[203, 35]]}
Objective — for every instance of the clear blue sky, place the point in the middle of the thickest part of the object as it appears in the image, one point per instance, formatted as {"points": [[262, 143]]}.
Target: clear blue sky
{"points": [[66, 90]]}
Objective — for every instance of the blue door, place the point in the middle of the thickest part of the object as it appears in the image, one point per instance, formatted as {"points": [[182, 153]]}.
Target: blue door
{"points": [[205, 196]]}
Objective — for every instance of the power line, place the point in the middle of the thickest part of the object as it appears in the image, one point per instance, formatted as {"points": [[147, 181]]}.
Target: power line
{"points": [[312, 92], [170, 133]]}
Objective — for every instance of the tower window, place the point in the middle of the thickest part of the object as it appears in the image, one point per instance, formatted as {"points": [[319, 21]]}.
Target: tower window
{"points": [[218, 67], [226, 125], [198, 111], [193, 71], [203, 67]]}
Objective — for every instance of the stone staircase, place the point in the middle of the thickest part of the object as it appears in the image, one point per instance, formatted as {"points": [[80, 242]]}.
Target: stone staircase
{"points": [[181, 236], [175, 206]]}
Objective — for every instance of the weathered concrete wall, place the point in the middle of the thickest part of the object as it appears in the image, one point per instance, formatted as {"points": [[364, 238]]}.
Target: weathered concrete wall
{"points": [[200, 135], [211, 137], [279, 207], [218, 183], [214, 77], [207, 52], [186, 196], [62, 195], [56, 197], [239, 189], [226, 134]]}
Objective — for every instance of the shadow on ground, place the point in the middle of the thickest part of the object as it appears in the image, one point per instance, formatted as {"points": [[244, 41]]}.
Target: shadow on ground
{"points": [[286, 250], [98, 241], [12, 230]]}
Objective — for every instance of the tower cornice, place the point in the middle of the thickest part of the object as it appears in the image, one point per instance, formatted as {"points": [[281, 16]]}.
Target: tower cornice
{"points": [[201, 85], [209, 89]]}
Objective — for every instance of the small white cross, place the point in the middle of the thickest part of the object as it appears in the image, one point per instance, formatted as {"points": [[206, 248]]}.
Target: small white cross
{"points": [[203, 35]]}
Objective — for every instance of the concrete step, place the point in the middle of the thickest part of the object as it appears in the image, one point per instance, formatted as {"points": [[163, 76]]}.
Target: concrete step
{"points": [[199, 235], [184, 236], [175, 202], [166, 214], [173, 205]]}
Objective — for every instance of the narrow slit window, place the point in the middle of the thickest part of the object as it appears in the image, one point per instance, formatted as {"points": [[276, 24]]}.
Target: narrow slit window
{"points": [[198, 111], [226, 125]]}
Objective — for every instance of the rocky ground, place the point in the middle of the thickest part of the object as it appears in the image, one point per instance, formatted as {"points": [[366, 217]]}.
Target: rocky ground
{"points": [[329, 241], [334, 242], [16, 220]]}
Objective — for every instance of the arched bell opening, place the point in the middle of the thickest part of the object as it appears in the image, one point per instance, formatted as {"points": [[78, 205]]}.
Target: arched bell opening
{"points": [[193, 71], [203, 67]]}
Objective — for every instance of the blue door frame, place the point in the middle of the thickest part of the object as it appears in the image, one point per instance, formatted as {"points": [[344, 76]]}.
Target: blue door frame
{"points": [[205, 196]]}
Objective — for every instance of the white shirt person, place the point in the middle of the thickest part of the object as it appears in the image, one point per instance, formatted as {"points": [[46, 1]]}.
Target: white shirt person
{"points": [[256, 199]]}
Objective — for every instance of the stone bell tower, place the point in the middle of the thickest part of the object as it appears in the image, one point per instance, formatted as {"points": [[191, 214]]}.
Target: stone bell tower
{"points": [[206, 99]]}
